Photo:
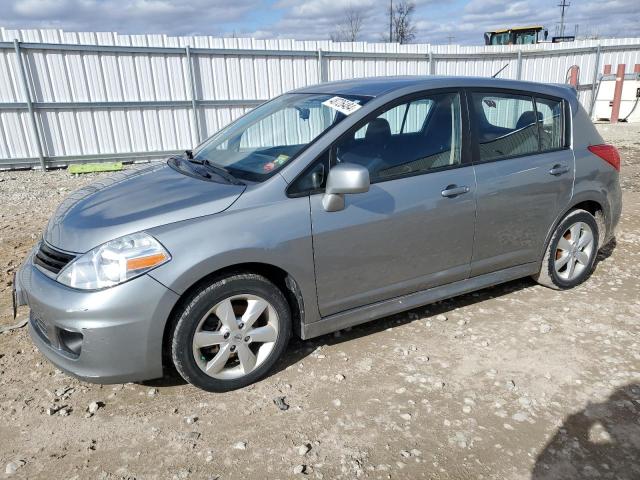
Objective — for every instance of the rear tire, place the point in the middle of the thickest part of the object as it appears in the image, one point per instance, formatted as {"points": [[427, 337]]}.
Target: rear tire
{"points": [[231, 332], [571, 253]]}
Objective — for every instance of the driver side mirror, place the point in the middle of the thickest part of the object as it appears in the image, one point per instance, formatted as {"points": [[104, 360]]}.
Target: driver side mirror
{"points": [[344, 178]]}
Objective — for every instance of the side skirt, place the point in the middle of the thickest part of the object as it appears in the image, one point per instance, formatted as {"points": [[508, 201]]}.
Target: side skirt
{"points": [[359, 315]]}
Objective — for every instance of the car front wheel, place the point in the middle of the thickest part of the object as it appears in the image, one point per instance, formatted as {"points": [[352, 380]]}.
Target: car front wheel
{"points": [[571, 253], [231, 332]]}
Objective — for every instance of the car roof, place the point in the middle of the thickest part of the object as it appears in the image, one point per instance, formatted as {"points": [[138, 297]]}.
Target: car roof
{"points": [[378, 86]]}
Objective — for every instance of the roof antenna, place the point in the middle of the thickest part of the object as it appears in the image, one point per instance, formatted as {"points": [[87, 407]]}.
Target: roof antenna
{"points": [[498, 72]]}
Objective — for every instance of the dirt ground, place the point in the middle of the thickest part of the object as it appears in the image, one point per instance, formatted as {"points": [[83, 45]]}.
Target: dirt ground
{"points": [[512, 382]]}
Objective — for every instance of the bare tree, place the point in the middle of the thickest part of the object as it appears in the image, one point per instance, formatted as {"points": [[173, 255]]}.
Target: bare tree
{"points": [[403, 28], [349, 29]]}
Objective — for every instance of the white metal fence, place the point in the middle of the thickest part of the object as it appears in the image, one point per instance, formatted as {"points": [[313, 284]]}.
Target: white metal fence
{"points": [[70, 97]]}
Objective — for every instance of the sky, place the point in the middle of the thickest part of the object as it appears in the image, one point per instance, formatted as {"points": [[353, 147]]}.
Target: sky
{"points": [[438, 22]]}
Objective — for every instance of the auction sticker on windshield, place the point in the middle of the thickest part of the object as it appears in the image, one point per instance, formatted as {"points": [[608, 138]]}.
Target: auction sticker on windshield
{"points": [[347, 107]]}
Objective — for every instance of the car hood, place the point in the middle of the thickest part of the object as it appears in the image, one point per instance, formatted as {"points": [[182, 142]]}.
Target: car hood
{"points": [[131, 201]]}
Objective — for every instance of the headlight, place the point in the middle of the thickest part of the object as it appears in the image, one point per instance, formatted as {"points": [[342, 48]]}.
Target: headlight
{"points": [[114, 262]]}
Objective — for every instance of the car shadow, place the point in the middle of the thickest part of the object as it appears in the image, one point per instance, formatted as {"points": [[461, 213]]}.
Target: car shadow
{"points": [[602, 441], [299, 349]]}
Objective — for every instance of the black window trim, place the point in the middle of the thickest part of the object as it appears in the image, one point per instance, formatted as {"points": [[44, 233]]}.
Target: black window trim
{"points": [[404, 118], [319, 159], [466, 152], [475, 144]]}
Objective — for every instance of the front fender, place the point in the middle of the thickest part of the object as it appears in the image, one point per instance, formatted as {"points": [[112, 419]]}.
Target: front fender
{"points": [[276, 234]]}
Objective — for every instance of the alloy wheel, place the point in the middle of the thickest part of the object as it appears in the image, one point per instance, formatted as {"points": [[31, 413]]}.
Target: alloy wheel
{"points": [[235, 336], [574, 251]]}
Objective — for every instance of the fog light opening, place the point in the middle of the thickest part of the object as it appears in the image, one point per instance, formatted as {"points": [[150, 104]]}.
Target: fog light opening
{"points": [[70, 341]]}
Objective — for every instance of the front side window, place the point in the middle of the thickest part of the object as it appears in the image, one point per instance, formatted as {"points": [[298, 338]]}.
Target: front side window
{"points": [[506, 125], [410, 138], [405, 118], [270, 136]]}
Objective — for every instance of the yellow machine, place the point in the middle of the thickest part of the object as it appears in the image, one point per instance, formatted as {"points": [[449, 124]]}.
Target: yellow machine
{"points": [[516, 36]]}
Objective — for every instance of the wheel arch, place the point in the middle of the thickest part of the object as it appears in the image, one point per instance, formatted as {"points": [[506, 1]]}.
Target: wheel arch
{"points": [[595, 204], [279, 277]]}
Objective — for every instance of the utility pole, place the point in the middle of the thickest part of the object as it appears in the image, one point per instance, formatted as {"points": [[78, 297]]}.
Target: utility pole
{"points": [[390, 21], [564, 4]]}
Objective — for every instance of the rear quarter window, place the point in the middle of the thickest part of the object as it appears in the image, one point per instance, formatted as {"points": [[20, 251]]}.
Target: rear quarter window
{"points": [[551, 117]]}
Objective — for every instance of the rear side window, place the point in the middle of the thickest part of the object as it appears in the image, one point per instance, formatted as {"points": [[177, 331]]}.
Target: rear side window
{"points": [[506, 125], [514, 125], [551, 115]]}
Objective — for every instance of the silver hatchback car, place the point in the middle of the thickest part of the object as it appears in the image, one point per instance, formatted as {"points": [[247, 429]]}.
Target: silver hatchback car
{"points": [[324, 208]]}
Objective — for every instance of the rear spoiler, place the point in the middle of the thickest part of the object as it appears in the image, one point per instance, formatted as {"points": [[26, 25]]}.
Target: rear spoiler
{"points": [[567, 87]]}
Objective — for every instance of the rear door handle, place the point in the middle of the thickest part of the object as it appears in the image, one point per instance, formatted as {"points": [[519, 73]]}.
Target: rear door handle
{"points": [[454, 190], [558, 169]]}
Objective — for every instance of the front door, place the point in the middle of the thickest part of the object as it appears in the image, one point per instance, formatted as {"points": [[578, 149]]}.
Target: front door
{"points": [[414, 228]]}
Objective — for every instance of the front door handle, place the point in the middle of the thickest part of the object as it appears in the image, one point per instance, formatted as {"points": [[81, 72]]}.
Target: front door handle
{"points": [[558, 169], [454, 190]]}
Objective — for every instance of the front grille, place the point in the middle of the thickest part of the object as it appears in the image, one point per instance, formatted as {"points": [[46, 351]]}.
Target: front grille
{"points": [[50, 259], [40, 327]]}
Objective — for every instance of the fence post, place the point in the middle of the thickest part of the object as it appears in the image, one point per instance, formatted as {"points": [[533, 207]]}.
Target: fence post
{"points": [[617, 93], [194, 101], [519, 66], [27, 94], [594, 86], [431, 65], [321, 72]]}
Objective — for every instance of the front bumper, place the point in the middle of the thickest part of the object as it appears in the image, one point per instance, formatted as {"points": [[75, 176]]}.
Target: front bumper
{"points": [[106, 336]]}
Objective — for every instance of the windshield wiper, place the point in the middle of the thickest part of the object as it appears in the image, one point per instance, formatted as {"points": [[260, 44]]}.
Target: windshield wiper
{"points": [[223, 172]]}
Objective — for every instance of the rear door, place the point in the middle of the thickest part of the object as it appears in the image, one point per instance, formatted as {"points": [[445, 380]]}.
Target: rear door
{"points": [[524, 172]]}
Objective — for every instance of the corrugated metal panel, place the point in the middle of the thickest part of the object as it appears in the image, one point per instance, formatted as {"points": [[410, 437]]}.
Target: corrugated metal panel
{"points": [[156, 68]]}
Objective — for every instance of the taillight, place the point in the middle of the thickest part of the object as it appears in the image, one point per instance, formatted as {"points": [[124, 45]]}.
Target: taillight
{"points": [[608, 153]]}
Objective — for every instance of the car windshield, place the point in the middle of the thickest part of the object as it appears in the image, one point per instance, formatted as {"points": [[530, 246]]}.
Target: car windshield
{"points": [[264, 140]]}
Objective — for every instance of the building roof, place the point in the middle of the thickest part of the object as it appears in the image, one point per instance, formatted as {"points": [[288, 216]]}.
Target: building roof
{"points": [[517, 29]]}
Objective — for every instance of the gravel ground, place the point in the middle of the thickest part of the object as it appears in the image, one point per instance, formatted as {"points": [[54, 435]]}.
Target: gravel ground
{"points": [[511, 382]]}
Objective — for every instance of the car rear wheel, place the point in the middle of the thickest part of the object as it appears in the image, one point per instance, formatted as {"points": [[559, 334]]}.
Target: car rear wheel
{"points": [[231, 332], [571, 253]]}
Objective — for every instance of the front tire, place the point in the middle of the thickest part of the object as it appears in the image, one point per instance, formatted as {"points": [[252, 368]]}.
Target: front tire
{"points": [[571, 253], [231, 332]]}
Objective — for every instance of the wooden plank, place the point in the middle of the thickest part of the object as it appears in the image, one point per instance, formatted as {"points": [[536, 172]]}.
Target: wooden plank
{"points": [[95, 167]]}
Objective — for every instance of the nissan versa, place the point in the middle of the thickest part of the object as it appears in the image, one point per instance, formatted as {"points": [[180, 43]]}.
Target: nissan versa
{"points": [[323, 208]]}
